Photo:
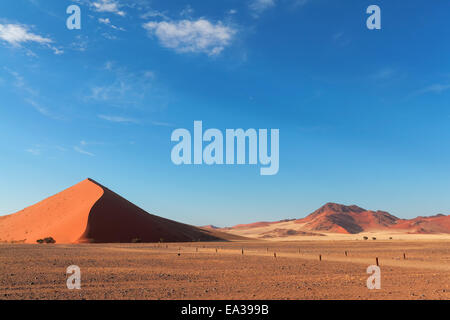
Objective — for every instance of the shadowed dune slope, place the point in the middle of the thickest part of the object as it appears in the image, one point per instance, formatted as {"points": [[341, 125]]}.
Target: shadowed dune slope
{"points": [[115, 219], [91, 213]]}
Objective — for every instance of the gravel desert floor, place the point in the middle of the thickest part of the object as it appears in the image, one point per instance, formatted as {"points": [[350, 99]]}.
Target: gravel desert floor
{"points": [[228, 270]]}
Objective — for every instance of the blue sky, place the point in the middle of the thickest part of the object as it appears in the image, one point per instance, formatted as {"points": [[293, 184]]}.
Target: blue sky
{"points": [[363, 114]]}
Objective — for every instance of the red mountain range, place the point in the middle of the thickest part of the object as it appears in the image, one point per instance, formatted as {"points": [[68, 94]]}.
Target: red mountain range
{"points": [[339, 218]]}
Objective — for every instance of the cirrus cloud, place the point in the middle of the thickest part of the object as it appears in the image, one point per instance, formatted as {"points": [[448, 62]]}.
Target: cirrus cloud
{"points": [[117, 119]]}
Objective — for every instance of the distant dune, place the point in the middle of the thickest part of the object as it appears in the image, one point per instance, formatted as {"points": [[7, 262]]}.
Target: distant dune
{"points": [[339, 220], [91, 213]]}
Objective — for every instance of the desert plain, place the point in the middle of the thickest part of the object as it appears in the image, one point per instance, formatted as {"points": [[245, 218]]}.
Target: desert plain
{"points": [[124, 252], [410, 269]]}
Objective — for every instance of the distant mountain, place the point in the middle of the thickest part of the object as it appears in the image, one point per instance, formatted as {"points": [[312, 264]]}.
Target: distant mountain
{"points": [[425, 225], [256, 224], [91, 213], [334, 218], [210, 226]]}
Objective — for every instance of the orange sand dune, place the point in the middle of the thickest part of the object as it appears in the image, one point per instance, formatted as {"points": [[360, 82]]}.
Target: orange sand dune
{"points": [[89, 212], [63, 216]]}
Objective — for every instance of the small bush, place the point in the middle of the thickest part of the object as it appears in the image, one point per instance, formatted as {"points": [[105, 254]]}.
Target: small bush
{"points": [[365, 238], [136, 240], [46, 240], [49, 240], [373, 238]]}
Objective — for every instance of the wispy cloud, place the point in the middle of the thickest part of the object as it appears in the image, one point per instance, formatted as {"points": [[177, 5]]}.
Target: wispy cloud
{"points": [[49, 150], [107, 21], [341, 39], [82, 151], [197, 36], [435, 88], [29, 94], [187, 11], [117, 119], [162, 124], [18, 34], [149, 74], [121, 91], [154, 14], [42, 110], [85, 143], [384, 74], [104, 20], [299, 3], [19, 81], [81, 43], [34, 151], [259, 6], [126, 89]]}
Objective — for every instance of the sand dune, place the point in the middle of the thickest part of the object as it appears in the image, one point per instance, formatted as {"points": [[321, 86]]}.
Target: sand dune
{"points": [[91, 213], [63, 216]]}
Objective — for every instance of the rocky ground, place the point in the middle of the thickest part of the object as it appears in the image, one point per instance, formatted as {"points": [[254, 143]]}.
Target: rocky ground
{"points": [[197, 271]]}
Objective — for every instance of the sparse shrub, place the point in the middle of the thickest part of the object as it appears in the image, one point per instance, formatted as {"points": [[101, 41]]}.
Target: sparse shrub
{"points": [[49, 240], [136, 240], [46, 240], [161, 240], [366, 238]]}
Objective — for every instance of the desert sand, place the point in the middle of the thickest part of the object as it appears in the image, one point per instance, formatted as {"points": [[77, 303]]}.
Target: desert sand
{"points": [[197, 271]]}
